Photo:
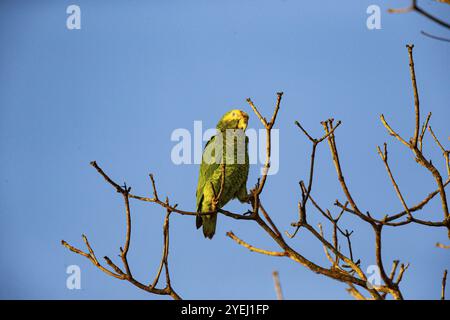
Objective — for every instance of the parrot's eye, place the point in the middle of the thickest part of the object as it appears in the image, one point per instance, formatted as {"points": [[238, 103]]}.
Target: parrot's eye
{"points": [[233, 114]]}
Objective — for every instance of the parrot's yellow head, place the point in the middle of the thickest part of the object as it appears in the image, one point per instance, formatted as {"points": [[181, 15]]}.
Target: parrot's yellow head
{"points": [[233, 119]]}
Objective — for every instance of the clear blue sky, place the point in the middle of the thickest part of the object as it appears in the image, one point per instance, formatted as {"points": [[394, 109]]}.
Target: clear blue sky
{"points": [[116, 89]]}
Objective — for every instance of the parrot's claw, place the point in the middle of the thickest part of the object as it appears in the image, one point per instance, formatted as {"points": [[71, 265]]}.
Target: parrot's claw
{"points": [[214, 204], [247, 213]]}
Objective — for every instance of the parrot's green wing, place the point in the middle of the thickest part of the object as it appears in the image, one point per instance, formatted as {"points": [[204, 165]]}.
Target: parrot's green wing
{"points": [[208, 177], [207, 169]]}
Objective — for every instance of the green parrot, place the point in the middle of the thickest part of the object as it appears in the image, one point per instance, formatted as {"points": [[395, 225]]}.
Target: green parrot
{"points": [[213, 192]]}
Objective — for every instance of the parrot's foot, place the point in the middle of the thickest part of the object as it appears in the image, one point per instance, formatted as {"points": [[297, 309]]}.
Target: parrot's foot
{"points": [[214, 204], [247, 213]]}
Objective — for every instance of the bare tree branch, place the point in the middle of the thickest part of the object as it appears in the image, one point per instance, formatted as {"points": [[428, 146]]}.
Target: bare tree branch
{"points": [[119, 274], [231, 235], [343, 267], [414, 7], [444, 281], [276, 280], [442, 246]]}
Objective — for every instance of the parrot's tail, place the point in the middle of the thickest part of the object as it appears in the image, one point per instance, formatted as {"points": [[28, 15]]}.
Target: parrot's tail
{"points": [[209, 225]]}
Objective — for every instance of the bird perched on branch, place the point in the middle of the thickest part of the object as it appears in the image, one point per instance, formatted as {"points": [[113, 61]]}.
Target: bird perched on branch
{"points": [[224, 169]]}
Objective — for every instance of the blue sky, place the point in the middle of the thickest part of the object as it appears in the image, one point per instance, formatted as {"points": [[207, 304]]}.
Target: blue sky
{"points": [[115, 90]]}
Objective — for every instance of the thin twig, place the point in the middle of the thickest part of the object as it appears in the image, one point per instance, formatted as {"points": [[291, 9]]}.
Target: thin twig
{"points": [[445, 153], [429, 35], [415, 7], [444, 281], [276, 280], [384, 157], [231, 235], [442, 246]]}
